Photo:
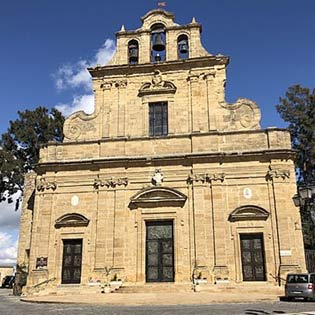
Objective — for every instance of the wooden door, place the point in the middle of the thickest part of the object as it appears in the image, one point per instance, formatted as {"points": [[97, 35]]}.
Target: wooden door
{"points": [[159, 251], [72, 261], [253, 257]]}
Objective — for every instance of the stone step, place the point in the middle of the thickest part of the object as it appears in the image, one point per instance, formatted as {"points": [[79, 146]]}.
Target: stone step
{"points": [[268, 289], [156, 288], [247, 289]]}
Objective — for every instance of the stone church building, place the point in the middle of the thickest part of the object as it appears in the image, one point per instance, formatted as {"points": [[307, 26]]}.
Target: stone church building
{"points": [[165, 181]]}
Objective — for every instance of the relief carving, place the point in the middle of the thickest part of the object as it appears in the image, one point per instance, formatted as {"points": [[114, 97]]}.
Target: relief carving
{"points": [[157, 85], [43, 185], [195, 77], [277, 173], [205, 178], [121, 84], [209, 75], [78, 123], [106, 85], [111, 182], [243, 114]]}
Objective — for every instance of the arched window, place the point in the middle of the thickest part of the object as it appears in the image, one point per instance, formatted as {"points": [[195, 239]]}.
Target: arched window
{"points": [[182, 47], [158, 40], [133, 52]]}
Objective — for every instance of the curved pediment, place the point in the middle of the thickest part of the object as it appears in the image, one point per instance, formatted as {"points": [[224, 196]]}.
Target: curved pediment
{"points": [[158, 195], [71, 219], [157, 86], [248, 212]]}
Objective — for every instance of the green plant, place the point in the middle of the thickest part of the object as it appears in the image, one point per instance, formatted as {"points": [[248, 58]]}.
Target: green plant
{"points": [[20, 278]]}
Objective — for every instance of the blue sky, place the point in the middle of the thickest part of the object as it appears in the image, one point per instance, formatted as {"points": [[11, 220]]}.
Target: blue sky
{"points": [[46, 46]]}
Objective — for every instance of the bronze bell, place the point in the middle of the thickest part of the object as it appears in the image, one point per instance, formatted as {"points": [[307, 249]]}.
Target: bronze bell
{"points": [[133, 53], [183, 46], [158, 44]]}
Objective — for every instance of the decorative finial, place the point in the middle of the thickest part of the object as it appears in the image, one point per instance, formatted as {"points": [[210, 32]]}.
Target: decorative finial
{"points": [[161, 4], [122, 28], [193, 20]]}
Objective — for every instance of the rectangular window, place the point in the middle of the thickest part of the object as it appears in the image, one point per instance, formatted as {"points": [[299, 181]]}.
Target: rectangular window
{"points": [[158, 120]]}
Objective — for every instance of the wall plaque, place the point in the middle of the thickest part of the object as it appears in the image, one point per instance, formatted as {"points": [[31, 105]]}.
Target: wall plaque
{"points": [[41, 262]]}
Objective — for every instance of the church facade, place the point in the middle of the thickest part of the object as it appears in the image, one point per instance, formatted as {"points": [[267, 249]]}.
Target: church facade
{"points": [[165, 181]]}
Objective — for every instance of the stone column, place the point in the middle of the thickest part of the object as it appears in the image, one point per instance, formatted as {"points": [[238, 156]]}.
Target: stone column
{"points": [[194, 95], [288, 246], [211, 111]]}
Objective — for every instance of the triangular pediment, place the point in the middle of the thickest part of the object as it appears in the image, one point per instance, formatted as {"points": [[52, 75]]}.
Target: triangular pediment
{"points": [[248, 212], [71, 219], [158, 195]]}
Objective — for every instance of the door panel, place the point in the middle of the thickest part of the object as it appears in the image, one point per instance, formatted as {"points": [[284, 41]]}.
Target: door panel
{"points": [[159, 251], [253, 259], [72, 261]]}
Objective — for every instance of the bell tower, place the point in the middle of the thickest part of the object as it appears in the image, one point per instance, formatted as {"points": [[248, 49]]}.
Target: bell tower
{"points": [[161, 82], [165, 180]]}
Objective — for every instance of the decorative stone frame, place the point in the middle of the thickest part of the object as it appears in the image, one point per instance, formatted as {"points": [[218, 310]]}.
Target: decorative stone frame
{"points": [[157, 90], [146, 216], [72, 226], [252, 219], [165, 97], [248, 212], [157, 196], [71, 219]]}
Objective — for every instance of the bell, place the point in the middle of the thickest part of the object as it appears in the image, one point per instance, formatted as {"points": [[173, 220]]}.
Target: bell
{"points": [[183, 46], [133, 53], [158, 44]]}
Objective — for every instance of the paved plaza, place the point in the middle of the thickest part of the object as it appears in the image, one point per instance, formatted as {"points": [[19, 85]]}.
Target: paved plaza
{"points": [[12, 305]]}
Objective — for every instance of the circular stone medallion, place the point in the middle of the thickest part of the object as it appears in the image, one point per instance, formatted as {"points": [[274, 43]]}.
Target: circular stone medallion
{"points": [[247, 193], [74, 200]]}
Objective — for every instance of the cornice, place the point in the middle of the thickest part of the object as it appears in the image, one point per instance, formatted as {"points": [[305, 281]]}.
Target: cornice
{"points": [[173, 65], [176, 136], [132, 33], [222, 157]]}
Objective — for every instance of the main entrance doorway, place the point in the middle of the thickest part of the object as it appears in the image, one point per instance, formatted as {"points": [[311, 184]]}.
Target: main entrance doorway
{"points": [[253, 257], [72, 260], [159, 251]]}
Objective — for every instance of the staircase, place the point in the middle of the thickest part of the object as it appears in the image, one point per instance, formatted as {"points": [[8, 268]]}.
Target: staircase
{"points": [[156, 288], [248, 288]]}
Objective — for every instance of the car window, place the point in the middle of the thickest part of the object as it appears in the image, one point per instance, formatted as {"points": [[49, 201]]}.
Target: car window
{"points": [[312, 280], [297, 279]]}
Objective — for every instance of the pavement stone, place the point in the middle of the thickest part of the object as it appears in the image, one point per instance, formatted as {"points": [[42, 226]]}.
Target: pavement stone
{"points": [[152, 298]]}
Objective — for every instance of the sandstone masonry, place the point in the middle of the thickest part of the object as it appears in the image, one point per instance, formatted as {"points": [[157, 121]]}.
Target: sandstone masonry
{"points": [[165, 181]]}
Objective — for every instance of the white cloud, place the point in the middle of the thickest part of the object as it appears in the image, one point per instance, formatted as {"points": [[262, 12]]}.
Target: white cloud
{"points": [[105, 53], [8, 248], [81, 102], [9, 218], [9, 226], [76, 76]]}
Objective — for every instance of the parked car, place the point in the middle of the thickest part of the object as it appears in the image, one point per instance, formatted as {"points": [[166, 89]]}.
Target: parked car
{"points": [[300, 285], [8, 281]]}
